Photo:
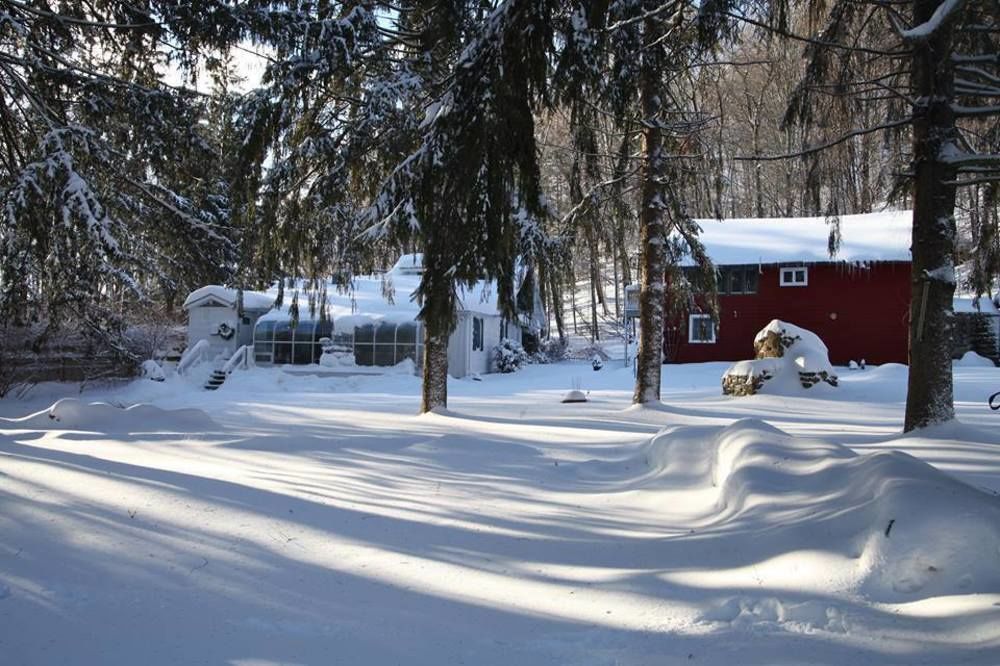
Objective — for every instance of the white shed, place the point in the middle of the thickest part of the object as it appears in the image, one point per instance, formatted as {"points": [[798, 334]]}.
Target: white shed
{"points": [[224, 317]]}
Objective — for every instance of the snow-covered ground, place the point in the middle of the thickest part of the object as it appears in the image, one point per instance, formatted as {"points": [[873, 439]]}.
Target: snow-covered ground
{"points": [[307, 520]]}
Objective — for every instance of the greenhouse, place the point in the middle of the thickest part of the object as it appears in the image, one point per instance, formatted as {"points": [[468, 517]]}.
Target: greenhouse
{"points": [[381, 344], [277, 341]]}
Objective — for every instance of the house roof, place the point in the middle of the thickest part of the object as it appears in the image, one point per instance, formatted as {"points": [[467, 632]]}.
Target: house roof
{"points": [[383, 297], [252, 300], [871, 237]]}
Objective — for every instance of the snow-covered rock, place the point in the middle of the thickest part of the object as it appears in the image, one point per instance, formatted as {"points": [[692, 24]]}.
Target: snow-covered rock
{"points": [[789, 359]]}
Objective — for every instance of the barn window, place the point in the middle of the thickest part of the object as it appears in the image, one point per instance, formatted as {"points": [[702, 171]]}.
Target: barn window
{"points": [[701, 329], [737, 280], [795, 276]]}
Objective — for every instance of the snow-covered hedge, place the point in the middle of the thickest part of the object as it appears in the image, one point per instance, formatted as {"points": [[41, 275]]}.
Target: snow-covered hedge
{"points": [[509, 356]]}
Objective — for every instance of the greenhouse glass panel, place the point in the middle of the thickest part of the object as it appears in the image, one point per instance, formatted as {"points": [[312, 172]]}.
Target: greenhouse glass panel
{"points": [[406, 334], [364, 354], [303, 353], [263, 331], [304, 331], [282, 331], [364, 334], [385, 355], [324, 329], [404, 352], [282, 352], [385, 333]]}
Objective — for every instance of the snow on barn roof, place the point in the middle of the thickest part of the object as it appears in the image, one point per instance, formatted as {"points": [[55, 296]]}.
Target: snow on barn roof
{"points": [[870, 237]]}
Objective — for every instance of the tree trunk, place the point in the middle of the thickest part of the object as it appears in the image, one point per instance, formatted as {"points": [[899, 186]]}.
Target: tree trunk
{"points": [[929, 398], [557, 305], [438, 315], [594, 334], [649, 357], [434, 393]]}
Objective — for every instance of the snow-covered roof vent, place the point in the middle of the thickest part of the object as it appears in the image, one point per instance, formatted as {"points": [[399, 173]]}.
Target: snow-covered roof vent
{"points": [[871, 237], [409, 264]]}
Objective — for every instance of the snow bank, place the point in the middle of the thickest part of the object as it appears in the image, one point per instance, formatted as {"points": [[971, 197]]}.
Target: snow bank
{"points": [[74, 414], [973, 360], [903, 528]]}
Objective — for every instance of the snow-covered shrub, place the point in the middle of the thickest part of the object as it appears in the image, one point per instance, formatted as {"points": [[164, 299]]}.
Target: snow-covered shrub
{"points": [[509, 356], [588, 352], [550, 351], [151, 370]]}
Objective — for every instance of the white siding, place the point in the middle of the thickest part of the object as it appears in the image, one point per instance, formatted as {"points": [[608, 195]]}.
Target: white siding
{"points": [[203, 323], [459, 345], [482, 361]]}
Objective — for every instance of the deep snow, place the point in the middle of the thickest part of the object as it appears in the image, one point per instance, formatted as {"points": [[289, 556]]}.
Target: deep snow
{"points": [[310, 520]]}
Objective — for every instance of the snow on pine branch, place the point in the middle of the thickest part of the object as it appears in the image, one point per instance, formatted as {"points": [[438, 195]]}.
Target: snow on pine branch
{"points": [[78, 201], [947, 12]]}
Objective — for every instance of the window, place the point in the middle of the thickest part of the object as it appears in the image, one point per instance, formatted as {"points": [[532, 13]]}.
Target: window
{"points": [[737, 280], [701, 329], [795, 276], [477, 334]]}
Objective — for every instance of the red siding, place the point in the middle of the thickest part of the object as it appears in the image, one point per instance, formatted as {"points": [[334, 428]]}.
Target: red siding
{"points": [[871, 307]]}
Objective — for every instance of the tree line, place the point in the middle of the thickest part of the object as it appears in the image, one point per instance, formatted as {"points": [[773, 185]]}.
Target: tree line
{"points": [[483, 133]]}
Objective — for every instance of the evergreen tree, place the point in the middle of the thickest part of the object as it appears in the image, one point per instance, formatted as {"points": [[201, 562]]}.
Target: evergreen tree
{"points": [[107, 180], [936, 77]]}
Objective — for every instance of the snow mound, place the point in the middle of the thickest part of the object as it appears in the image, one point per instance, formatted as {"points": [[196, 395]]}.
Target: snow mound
{"points": [[804, 362], [904, 529], [973, 360], [74, 414]]}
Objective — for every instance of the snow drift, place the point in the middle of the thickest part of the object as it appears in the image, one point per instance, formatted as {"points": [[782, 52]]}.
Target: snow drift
{"points": [[74, 414], [902, 528]]}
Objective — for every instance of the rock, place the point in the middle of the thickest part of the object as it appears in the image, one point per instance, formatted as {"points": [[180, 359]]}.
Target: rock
{"points": [[788, 359]]}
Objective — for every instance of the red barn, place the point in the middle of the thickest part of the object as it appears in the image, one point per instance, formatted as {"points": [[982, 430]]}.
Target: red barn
{"points": [[857, 302]]}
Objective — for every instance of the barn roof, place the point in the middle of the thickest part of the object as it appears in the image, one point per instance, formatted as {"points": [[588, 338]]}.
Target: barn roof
{"points": [[871, 237]]}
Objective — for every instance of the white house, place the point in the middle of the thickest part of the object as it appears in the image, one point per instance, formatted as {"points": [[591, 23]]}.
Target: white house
{"points": [[371, 325]]}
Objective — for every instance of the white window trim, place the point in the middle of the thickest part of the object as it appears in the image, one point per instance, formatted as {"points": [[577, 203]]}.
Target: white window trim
{"points": [[790, 271], [691, 320]]}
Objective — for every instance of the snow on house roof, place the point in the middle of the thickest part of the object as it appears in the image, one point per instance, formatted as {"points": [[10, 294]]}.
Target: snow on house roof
{"points": [[383, 297], [870, 237], [252, 300]]}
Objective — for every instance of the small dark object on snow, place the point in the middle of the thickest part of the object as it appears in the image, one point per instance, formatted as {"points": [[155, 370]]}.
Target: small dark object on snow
{"points": [[889, 527], [994, 403], [597, 363]]}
